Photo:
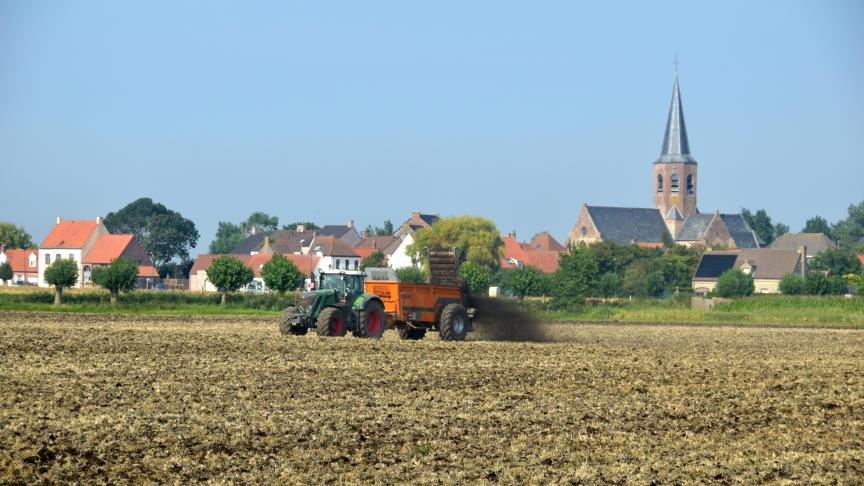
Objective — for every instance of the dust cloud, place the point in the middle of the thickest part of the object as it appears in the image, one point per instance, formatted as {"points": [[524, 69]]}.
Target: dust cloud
{"points": [[505, 320]]}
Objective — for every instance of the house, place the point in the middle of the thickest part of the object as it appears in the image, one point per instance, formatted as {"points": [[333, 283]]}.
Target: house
{"points": [[415, 222], [347, 234], [674, 193], [307, 264], [24, 263], [71, 240], [295, 241], [334, 254], [542, 252], [766, 265], [108, 248], [815, 243], [370, 244]]}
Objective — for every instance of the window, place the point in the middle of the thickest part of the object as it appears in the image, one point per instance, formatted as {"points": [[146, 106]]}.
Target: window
{"points": [[690, 184], [673, 183], [58, 257], [32, 261], [356, 264], [337, 264], [47, 259], [659, 183], [72, 257]]}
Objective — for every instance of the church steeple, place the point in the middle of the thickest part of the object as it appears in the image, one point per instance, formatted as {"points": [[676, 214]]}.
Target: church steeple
{"points": [[674, 174], [676, 147]]}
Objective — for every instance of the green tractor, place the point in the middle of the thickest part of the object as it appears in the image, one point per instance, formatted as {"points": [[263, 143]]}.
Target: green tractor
{"points": [[337, 305]]}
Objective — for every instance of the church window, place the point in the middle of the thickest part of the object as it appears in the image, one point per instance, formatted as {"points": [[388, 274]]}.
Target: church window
{"points": [[659, 183], [690, 184], [584, 231], [673, 183]]}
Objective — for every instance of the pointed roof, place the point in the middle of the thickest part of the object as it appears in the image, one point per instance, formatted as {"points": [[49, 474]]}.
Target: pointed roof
{"points": [[69, 234], [675, 214], [108, 248], [676, 147]]}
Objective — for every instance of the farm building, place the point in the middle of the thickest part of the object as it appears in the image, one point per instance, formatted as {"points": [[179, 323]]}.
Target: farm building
{"points": [[24, 263], [542, 252]]}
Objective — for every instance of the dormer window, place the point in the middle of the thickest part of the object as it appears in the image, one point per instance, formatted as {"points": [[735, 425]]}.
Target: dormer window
{"points": [[690, 184], [659, 183], [673, 183]]}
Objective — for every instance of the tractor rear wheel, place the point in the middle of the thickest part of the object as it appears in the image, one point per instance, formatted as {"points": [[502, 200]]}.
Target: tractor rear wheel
{"points": [[286, 327], [371, 320], [412, 334], [331, 322], [453, 325]]}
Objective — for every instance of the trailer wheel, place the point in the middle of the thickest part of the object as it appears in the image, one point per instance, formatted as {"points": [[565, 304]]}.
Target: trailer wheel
{"points": [[331, 322], [453, 325], [411, 334], [371, 320], [288, 329]]}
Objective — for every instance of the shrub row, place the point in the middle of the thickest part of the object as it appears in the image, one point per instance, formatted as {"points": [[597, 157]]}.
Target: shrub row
{"points": [[259, 301]]}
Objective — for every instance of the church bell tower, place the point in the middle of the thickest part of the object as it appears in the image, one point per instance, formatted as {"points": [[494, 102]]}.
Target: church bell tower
{"points": [[674, 182]]}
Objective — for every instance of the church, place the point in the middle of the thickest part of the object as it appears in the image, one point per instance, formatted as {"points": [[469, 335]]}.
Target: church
{"points": [[675, 215]]}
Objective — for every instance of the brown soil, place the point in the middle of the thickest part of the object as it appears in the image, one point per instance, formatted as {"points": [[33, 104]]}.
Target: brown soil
{"points": [[104, 399]]}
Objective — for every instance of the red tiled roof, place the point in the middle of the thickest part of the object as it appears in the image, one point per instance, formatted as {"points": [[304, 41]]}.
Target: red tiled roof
{"points": [[545, 242], [525, 254], [69, 234], [108, 248], [19, 260], [147, 271], [364, 252]]}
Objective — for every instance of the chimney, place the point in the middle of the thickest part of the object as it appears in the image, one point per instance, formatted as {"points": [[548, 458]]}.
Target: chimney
{"points": [[301, 228], [802, 252], [59, 219], [364, 234], [98, 219], [350, 223], [254, 230]]}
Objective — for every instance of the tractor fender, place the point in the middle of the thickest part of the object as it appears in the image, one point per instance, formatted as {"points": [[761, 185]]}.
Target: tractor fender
{"points": [[361, 301]]}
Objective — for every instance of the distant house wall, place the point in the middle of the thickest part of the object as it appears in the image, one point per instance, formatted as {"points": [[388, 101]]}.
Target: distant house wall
{"points": [[399, 258], [760, 285]]}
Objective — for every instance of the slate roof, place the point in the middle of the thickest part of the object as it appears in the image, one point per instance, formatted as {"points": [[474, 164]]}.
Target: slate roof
{"points": [[69, 234], [676, 146], [250, 244], [375, 243], [628, 225], [740, 231], [769, 263], [281, 241], [694, 227], [816, 243], [337, 230], [674, 213]]}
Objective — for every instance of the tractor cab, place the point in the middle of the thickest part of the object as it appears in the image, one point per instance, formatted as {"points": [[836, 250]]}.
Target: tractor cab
{"points": [[346, 284]]}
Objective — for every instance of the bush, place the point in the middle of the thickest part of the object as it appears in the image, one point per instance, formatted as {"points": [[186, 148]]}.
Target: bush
{"points": [[120, 276], [410, 275], [818, 284], [228, 274], [610, 284], [157, 299], [476, 277], [734, 283], [525, 281], [281, 275], [6, 272], [792, 284]]}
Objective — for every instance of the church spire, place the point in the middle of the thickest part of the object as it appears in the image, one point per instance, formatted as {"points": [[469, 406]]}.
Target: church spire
{"points": [[676, 147]]}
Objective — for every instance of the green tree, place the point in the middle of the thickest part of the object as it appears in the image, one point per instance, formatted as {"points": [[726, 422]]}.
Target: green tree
{"points": [[376, 259], [734, 283], [165, 234], [818, 283], [476, 277], [849, 232], [120, 276], [259, 222], [410, 275], [576, 276], [610, 284], [525, 281], [228, 274], [780, 229], [62, 273], [228, 236], [12, 236], [280, 274], [837, 261], [6, 273], [655, 284], [817, 224], [792, 284], [475, 239], [308, 225], [385, 230]]}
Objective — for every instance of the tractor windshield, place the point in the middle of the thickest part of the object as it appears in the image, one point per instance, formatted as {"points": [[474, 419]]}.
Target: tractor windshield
{"points": [[331, 281]]}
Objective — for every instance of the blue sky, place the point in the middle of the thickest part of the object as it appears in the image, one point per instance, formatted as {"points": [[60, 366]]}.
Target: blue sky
{"points": [[516, 111]]}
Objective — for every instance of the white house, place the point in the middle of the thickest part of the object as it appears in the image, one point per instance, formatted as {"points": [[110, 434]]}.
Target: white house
{"points": [[70, 240], [24, 263]]}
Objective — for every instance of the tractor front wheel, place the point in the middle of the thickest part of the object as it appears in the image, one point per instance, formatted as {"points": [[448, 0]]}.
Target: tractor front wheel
{"points": [[453, 325], [286, 327], [331, 322], [371, 320]]}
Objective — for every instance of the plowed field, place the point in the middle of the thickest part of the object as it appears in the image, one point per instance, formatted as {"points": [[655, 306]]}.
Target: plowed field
{"points": [[119, 399]]}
